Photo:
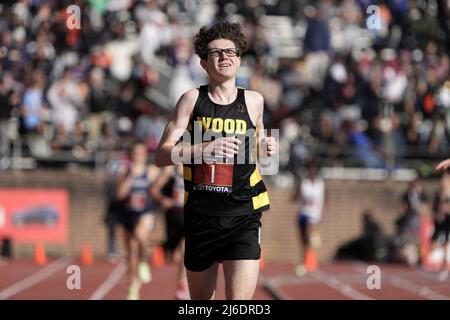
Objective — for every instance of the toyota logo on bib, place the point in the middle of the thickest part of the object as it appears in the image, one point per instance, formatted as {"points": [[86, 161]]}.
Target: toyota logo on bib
{"points": [[200, 187]]}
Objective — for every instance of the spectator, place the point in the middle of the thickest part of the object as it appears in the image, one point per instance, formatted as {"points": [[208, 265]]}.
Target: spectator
{"points": [[441, 235], [370, 246], [33, 111], [113, 206], [406, 242], [99, 104], [7, 104], [363, 148], [64, 98]]}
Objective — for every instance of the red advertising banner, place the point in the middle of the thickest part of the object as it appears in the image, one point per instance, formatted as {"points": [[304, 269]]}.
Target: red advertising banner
{"points": [[34, 215]]}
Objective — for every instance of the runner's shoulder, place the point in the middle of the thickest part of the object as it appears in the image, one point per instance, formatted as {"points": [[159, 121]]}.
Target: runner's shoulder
{"points": [[254, 97], [254, 101], [190, 96], [187, 102]]}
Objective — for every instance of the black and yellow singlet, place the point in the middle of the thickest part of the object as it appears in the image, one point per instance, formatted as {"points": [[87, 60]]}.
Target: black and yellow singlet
{"points": [[224, 188]]}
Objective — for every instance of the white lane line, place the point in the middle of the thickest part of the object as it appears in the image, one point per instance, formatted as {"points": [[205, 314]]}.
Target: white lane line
{"points": [[405, 285], [110, 282], [272, 287], [337, 285], [430, 275], [306, 279], [416, 289], [34, 278]]}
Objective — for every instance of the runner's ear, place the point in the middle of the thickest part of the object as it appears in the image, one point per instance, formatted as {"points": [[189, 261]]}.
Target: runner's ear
{"points": [[203, 64]]}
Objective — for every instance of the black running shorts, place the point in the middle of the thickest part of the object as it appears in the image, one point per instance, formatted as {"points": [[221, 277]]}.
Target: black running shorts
{"points": [[442, 230], [212, 239]]}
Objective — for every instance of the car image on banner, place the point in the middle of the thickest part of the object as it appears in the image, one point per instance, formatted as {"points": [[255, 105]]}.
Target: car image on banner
{"points": [[38, 215], [34, 215]]}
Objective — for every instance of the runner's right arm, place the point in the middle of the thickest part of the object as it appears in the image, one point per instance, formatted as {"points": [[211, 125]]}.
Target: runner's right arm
{"points": [[174, 130]]}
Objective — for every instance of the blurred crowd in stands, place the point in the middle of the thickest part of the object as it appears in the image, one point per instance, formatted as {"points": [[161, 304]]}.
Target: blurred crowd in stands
{"points": [[338, 86]]}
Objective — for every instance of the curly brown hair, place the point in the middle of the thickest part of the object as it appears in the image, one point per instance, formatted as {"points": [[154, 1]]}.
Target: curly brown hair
{"points": [[220, 30]]}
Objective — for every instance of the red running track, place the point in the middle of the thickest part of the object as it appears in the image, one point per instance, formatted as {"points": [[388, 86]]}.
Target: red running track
{"points": [[23, 280]]}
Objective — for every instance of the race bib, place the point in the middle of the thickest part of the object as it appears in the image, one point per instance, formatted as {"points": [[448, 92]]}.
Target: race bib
{"points": [[217, 177], [137, 201]]}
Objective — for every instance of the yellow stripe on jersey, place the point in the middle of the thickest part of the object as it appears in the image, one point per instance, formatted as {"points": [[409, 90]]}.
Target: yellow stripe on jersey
{"points": [[255, 178], [187, 173], [186, 194], [260, 200]]}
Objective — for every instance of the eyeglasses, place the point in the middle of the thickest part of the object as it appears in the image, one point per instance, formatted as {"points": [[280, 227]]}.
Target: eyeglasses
{"points": [[216, 52]]}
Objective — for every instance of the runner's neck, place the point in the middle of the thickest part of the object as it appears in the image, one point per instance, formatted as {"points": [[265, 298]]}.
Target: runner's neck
{"points": [[224, 93]]}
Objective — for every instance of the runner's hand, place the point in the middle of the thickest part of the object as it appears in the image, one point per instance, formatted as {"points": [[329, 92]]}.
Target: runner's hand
{"points": [[444, 165], [268, 146], [167, 203], [223, 147]]}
